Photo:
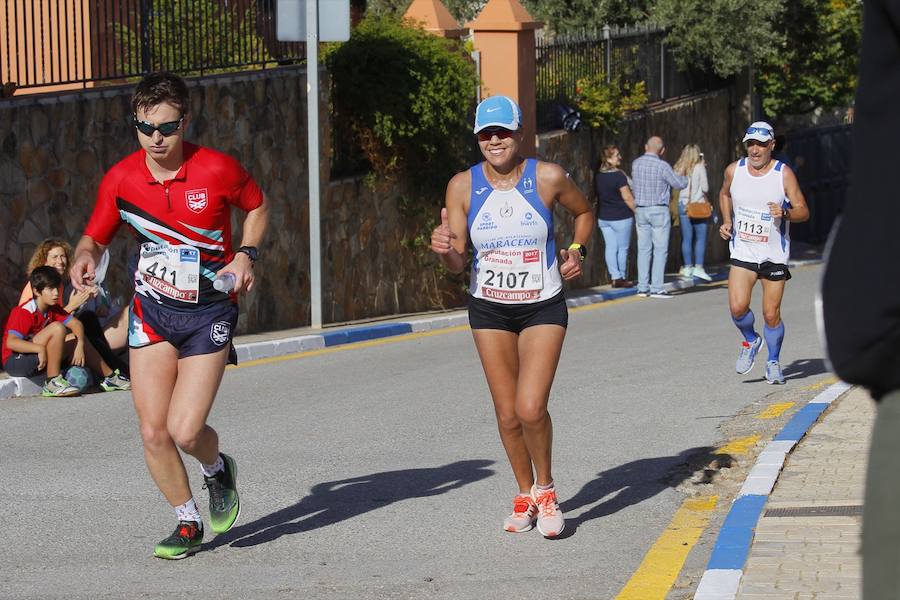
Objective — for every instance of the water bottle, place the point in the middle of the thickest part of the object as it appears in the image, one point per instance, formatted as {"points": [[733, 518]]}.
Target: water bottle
{"points": [[224, 283]]}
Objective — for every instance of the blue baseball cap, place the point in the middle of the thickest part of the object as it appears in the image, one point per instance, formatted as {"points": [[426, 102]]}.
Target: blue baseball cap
{"points": [[498, 111]]}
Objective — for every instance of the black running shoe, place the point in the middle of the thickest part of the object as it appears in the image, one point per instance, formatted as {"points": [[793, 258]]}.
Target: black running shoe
{"points": [[184, 541], [224, 503]]}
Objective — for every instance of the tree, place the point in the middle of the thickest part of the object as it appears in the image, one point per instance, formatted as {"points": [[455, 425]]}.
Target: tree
{"points": [[722, 36], [406, 96], [562, 16], [817, 62]]}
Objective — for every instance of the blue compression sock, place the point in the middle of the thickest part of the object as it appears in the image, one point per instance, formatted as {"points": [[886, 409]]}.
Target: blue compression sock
{"points": [[774, 337], [745, 325]]}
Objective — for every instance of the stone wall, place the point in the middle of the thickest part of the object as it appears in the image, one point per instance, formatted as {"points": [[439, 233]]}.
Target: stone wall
{"points": [[55, 149], [702, 120]]}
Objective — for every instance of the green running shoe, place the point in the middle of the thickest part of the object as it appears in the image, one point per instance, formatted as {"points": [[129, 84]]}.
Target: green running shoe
{"points": [[224, 503], [184, 541]]}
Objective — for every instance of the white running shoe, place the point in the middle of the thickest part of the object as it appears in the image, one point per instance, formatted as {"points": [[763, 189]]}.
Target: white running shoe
{"points": [[523, 515], [686, 272], [550, 520]]}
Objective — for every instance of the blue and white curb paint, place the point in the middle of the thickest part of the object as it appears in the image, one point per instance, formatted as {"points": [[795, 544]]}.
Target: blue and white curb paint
{"points": [[722, 577]]}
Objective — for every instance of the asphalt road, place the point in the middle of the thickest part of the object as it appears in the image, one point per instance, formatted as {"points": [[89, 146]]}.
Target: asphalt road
{"points": [[376, 471]]}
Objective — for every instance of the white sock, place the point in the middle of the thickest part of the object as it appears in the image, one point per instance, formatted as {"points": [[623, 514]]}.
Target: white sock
{"points": [[188, 512], [210, 470], [544, 488]]}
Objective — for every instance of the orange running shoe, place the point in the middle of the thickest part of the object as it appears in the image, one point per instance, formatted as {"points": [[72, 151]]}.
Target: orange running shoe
{"points": [[550, 521], [523, 515]]}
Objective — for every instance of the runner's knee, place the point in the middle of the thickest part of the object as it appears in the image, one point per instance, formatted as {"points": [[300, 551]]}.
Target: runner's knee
{"points": [[738, 308], [531, 414], [508, 421], [155, 437], [186, 438], [772, 316]]}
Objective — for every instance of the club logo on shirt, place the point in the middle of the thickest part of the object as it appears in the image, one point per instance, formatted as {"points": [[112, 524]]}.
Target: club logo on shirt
{"points": [[220, 332], [196, 200], [528, 184], [506, 211]]}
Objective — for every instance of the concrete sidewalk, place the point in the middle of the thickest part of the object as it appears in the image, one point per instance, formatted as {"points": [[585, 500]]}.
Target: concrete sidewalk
{"points": [[806, 544]]}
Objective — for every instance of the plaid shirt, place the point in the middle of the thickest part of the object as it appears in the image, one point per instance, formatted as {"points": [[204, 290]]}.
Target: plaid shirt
{"points": [[653, 178]]}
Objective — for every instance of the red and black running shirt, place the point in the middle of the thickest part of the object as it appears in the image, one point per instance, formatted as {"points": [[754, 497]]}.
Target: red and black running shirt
{"points": [[185, 222]]}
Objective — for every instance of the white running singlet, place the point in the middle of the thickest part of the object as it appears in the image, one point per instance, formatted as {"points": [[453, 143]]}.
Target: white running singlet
{"points": [[759, 237], [511, 232]]}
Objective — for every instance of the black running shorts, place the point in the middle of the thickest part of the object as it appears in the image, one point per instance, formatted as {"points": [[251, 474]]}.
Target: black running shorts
{"points": [[767, 270], [484, 314]]}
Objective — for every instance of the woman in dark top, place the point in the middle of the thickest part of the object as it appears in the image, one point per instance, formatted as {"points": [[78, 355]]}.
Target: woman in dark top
{"points": [[615, 214]]}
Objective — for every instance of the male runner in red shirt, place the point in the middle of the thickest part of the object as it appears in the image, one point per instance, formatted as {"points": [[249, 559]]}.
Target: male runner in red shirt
{"points": [[176, 198]]}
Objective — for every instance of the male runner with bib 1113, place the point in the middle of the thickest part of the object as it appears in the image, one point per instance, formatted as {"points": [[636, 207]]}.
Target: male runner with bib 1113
{"points": [[517, 311], [760, 197], [176, 198]]}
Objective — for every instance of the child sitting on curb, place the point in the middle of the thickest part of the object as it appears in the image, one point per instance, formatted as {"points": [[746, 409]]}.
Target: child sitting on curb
{"points": [[35, 339]]}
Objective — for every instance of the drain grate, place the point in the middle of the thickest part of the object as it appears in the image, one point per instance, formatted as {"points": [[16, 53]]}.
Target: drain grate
{"points": [[816, 511]]}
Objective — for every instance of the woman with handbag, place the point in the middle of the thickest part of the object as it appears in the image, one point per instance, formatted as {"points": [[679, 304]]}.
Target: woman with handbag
{"points": [[694, 210]]}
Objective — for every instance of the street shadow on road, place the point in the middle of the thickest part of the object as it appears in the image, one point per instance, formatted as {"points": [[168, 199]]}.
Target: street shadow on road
{"points": [[799, 369], [639, 480], [335, 501]]}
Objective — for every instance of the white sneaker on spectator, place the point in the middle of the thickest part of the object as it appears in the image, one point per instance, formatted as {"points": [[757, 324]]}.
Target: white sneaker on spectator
{"points": [[698, 271], [686, 272]]}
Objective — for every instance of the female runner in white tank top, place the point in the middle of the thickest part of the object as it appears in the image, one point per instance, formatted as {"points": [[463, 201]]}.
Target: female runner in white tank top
{"points": [[504, 207]]}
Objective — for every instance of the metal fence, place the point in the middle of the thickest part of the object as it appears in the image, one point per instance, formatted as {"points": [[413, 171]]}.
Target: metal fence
{"points": [[52, 42], [623, 54]]}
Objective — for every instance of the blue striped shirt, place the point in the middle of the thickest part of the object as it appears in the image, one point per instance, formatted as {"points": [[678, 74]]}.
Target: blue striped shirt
{"points": [[653, 179]]}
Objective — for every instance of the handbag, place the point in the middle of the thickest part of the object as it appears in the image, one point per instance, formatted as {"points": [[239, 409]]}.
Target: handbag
{"points": [[697, 210]]}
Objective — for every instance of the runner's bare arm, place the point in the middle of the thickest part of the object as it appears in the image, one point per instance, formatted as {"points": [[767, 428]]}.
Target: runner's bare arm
{"points": [[87, 254], [255, 225], [448, 240], [798, 211], [560, 186], [725, 229]]}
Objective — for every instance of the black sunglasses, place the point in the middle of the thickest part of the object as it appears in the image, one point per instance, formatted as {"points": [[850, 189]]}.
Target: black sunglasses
{"points": [[166, 129], [485, 135]]}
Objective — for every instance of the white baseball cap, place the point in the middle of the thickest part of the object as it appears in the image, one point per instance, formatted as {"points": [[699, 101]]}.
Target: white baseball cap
{"points": [[759, 131]]}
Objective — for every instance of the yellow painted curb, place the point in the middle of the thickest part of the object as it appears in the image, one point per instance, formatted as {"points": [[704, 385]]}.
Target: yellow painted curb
{"points": [[662, 564]]}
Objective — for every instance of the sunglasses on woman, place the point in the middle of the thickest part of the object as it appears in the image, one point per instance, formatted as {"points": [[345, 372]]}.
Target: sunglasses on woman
{"points": [[485, 135], [166, 129]]}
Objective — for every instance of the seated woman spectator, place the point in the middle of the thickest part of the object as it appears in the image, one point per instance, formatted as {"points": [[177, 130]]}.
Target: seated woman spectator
{"points": [[106, 331], [693, 230], [57, 254], [615, 214]]}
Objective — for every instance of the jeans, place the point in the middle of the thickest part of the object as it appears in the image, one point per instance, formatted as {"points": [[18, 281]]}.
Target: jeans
{"points": [[693, 233], [617, 239], [653, 227]]}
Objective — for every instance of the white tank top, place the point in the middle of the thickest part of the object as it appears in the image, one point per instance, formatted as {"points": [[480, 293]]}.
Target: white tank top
{"points": [[758, 236], [511, 232]]}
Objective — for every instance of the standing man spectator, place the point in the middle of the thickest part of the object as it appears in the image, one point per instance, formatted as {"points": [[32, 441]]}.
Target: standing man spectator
{"points": [[177, 198], [861, 290], [653, 179]]}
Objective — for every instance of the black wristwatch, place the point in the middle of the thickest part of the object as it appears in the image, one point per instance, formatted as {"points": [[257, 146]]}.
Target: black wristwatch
{"points": [[251, 252]]}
